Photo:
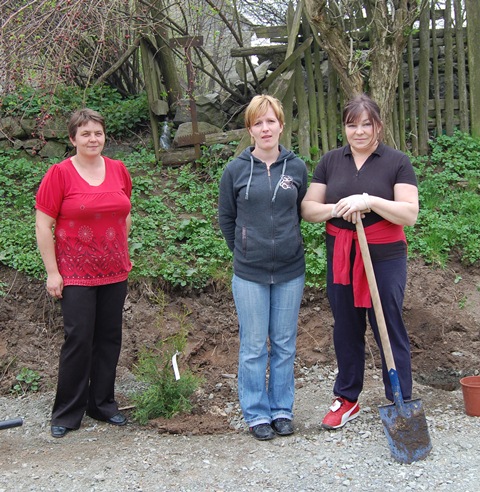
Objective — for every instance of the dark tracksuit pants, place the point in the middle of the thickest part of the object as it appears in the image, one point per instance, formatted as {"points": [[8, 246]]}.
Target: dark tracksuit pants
{"points": [[92, 319], [350, 327]]}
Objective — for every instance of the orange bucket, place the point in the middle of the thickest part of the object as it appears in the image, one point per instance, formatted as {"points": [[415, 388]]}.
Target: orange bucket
{"points": [[471, 395]]}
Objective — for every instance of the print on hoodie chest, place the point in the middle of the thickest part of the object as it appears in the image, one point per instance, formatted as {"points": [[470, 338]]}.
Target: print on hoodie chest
{"points": [[286, 182]]}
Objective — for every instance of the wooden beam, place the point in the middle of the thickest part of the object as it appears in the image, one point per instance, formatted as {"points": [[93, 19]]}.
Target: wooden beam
{"points": [[286, 63], [273, 49], [270, 31]]}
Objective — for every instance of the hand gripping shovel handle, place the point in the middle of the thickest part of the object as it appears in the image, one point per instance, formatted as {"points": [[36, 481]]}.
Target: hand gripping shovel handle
{"points": [[382, 326]]}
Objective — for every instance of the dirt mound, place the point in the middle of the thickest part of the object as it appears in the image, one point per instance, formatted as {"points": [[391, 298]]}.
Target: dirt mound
{"points": [[442, 313]]}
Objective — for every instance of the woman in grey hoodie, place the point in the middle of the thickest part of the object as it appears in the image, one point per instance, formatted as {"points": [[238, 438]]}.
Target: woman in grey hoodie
{"points": [[259, 214]]}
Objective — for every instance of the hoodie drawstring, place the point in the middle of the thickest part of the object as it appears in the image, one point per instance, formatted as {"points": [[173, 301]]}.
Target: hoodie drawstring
{"points": [[280, 180], [250, 178], [276, 187]]}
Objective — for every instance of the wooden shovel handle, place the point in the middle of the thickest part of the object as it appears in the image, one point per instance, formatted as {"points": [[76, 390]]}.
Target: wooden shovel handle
{"points": [[377, 305]]}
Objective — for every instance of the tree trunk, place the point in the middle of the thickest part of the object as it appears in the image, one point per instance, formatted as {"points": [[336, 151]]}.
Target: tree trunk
{"points": [[383, 82], [388, 38], [332, 38]]}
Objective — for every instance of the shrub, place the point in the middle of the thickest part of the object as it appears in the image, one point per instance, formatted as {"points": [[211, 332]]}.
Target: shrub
{"points": [[449, 183], [164, 396]]}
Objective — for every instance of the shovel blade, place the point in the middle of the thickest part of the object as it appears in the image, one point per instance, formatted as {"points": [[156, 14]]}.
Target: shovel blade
{"points": [[406, 431]]}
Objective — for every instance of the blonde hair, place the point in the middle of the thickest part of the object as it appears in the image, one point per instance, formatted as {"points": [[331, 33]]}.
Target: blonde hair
{"points": [[259, 106]]}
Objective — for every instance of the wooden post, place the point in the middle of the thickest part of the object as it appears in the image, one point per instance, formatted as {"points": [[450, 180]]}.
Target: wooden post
{"points": [[449, 86], [322, 113], [401, 113], [423, 82], [187, 42], [473, 38], [150, 85], [332, 107], [461, 68], [301, 97], [312, 95], [411, 97], [436, 78]]}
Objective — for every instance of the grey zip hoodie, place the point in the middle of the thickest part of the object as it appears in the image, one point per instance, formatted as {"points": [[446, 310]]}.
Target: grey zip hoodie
{"points": [[259, 216]]}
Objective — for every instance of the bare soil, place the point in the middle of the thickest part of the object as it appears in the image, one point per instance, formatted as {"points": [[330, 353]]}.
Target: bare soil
{"points": [[442, 313]]}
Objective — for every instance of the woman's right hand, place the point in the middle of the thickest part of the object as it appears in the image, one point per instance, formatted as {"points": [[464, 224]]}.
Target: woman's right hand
{"points": [[354, 217], [55, 285]]}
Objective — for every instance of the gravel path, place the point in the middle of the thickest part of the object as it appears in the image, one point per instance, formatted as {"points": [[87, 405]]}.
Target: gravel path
{"points": [[100, 457]]}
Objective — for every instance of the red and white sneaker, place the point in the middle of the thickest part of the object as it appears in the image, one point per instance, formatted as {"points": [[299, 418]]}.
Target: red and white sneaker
{"points": [[341, 412]]}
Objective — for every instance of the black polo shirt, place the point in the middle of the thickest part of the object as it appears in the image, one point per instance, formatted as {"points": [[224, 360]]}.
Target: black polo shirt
{"points": [[377, 177]]}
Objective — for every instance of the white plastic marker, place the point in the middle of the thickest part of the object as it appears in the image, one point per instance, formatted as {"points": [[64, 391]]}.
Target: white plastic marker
{"points": [[175, 366]]}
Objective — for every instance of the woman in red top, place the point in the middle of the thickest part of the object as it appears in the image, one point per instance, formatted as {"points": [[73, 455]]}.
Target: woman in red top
{"points": [[85, 201], [364, 179]]}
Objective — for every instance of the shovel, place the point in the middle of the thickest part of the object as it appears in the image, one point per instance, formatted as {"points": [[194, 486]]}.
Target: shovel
{"points": [[404, 422]]}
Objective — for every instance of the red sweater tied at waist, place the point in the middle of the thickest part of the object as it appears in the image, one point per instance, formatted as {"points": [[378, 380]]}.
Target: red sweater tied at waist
{"points": [[382, 232]]}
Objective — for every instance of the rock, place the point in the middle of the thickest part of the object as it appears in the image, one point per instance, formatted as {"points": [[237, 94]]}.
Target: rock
{"points": [[159, 107], [53, 128], [53, 150], [11, 129], [185, 131]]}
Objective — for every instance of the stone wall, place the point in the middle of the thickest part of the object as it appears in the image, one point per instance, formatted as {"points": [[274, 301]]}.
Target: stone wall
{"points": [[48, 140]]}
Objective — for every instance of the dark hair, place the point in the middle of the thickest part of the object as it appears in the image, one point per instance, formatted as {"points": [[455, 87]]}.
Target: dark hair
{"points": [[356, 106], [82, 117]]}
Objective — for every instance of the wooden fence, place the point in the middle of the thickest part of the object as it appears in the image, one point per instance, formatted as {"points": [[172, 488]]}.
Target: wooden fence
{"points": [[434, 96]]}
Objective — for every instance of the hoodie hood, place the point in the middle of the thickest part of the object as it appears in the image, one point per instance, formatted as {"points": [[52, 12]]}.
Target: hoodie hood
{"points": [[284, 156]]}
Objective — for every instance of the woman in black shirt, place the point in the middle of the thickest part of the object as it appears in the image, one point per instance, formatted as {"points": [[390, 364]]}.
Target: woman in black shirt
{"points": [[364, 179]]}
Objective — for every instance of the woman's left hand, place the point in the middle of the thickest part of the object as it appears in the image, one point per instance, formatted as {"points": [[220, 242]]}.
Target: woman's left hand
{"points": [[351, 208]]}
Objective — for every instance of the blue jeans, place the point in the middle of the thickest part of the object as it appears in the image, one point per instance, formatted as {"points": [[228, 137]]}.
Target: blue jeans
{"points": [[267, 311]]}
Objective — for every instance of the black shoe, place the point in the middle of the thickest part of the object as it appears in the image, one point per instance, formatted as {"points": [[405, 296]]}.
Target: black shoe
{"points": [[283, 427], [58, 430], [262, 432], [117, 419]]}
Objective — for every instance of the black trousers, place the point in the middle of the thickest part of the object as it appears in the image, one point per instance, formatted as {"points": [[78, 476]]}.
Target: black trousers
{"points": [[350, 326], [92, 319]]}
